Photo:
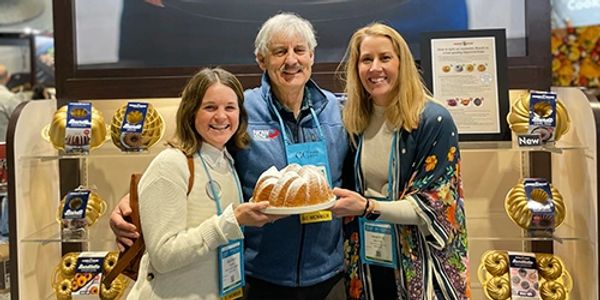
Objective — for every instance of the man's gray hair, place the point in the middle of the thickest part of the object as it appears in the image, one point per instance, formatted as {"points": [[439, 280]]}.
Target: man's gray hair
{"points": [[288, 24]]}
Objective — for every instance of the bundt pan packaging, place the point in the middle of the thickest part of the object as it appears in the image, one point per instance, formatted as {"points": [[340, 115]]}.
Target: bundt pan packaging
{"points": [[136, 126], [56, 131], [69, 282], [505, 275], [528, 202], [522, 112]]}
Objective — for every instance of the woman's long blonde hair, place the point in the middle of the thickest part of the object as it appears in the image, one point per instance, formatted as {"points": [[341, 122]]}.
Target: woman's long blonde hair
{"points": [[405, 109]]}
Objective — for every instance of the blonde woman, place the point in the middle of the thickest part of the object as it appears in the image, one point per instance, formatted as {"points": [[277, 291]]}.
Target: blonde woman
{"points": [[405, 235]]}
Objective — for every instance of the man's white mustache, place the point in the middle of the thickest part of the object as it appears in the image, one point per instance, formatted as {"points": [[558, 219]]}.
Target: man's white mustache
{"points": [[294, 68]]}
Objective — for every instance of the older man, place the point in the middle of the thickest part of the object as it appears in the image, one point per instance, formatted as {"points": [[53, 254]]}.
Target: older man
{"points": [[298, 257], [8, 101]]}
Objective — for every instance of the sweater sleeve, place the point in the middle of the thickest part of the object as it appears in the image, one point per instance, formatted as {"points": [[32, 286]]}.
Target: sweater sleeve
{"points": [[163, 211]]}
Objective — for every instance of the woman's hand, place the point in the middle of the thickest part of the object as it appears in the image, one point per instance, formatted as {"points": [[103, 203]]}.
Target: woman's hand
{"points": [[349, 203], [251, 214], [124, 231]]}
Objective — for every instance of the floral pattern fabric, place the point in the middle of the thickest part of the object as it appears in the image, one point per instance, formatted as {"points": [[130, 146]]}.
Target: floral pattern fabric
{"points": [[428, 175]]}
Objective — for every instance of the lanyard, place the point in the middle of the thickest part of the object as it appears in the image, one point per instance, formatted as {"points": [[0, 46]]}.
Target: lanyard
{"points": [[378, 239], [215, 188], [231, 255], [286, 140], [309, 153]]}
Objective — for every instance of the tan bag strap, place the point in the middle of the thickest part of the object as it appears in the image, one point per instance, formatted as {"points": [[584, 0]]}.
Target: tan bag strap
{"points": [[135, 252], [190, 162], [129, 255]]}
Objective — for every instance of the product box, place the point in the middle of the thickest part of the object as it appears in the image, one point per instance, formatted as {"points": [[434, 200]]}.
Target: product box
{"points": [[4, 269]]}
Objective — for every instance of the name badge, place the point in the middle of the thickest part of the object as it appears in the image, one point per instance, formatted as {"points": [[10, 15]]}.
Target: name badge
{"points": [[231, 270], [311, 153], [316, 217], [378, 243]]}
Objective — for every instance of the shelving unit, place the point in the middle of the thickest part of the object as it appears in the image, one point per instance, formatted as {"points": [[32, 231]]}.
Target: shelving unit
{"points": [[490, 172], [36, 187]]}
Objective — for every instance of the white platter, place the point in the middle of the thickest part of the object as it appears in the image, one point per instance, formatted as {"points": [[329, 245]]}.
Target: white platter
{"points": [[299, 210]]}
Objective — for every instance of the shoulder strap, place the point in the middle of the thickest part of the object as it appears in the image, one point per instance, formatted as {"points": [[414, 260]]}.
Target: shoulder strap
{"points": [[190, 162]]}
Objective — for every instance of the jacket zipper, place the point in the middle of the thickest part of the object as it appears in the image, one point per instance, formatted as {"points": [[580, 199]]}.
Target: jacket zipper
{"points": [[298, 266]]}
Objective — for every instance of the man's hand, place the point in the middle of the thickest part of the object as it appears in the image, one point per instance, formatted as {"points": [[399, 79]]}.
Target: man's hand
{"points": [[125, 232], [155, 2]]}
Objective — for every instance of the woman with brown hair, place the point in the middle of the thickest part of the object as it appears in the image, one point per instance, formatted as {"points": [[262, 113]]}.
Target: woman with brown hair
{"points": [[193, 238]]}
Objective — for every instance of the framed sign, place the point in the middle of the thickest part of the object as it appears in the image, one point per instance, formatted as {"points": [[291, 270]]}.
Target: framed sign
{"points": [[466, 72]]}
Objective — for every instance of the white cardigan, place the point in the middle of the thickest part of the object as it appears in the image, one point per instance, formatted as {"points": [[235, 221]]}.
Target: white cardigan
{"points": [[182, 233]]}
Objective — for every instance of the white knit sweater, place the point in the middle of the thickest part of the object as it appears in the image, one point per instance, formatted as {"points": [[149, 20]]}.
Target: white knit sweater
{"points": [[182, 233]]}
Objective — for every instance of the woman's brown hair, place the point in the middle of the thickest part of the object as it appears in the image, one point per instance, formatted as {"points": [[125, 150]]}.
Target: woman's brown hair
{"points": [[186, 137]]}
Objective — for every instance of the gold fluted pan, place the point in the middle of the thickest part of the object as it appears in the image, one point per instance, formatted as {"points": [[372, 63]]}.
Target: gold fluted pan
{"points": [[152, 131], [64, 279], [518, 117], [55, 131], [497, 288], [96, 207], [516, 207]]}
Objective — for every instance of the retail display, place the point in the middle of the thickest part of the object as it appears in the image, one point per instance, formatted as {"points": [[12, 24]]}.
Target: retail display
{"points": [[135, 129], [293, 186], [55, 131], [552, 279], [99, 165], [518, 209], [67, 279], [519, 115]]}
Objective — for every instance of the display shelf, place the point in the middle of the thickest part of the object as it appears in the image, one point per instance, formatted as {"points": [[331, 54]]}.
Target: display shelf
{"points": [[106, 151], [516, 233], [559, 239], [51, 234], [510, 146]]}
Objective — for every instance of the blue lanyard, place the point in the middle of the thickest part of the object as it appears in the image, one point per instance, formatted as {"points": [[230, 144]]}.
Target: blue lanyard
{"points": [[287, 141], [393, 165], [212, 184]]}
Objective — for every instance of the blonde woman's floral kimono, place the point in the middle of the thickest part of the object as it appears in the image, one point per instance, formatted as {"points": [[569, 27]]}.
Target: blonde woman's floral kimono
{"points": [[427, 174]]}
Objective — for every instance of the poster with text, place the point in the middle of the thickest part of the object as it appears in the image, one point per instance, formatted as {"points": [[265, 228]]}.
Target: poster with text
{"points": [[465, 80]]}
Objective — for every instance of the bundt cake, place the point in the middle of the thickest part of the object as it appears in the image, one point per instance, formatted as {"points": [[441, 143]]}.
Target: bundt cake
{"points": [[293, 186]]}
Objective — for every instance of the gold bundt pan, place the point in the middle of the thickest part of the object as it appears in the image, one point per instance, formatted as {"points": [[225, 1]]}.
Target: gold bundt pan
{"points": [[55, 131], [63, 281], [515, 205], [152, 132], [495, 283], [518, 117], [96, 207]]}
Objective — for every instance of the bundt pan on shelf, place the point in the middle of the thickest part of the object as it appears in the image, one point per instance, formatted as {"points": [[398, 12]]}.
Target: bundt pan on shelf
{"points": [[555, 282], [518, 117], [152, 131], [96, 207], [66, 280], [55, 131], [517, 208]]}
